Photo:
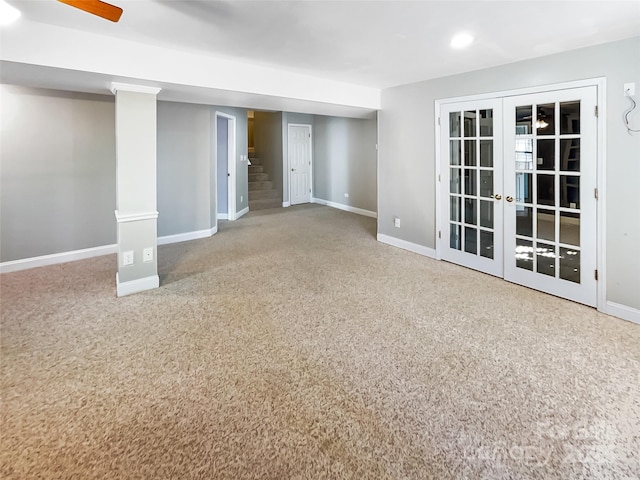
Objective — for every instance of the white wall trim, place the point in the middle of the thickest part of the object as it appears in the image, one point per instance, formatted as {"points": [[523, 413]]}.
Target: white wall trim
{"points": [[412, 247], [621, 311], [127, 87], [184, 237], [346, 208], [223, 216], [286, 204], [242, 212], [134, 217], [135, 286], [56, 258]]}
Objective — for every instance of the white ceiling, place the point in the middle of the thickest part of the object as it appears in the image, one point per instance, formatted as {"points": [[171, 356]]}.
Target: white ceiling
{"points": [[377, 44]]}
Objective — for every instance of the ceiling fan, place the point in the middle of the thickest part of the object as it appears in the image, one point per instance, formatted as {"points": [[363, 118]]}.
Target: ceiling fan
{"points": [[97, 7]]}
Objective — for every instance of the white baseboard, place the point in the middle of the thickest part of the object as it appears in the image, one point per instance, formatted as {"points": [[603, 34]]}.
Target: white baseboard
{"points": [[138, 285], [55, 258], [242, 212], [286, 204], [184, 237], [346, 208], [412, 247], [223, 216], [622, 311]]}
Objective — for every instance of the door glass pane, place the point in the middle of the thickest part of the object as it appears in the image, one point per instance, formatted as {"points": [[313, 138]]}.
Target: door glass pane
{"points": [[569, 191], [546, 224], [546, 189], [454, 124], [486, 213], [570, 264], [455, 152], [455, 209], [524, 193], [570, 155], [524, 221], [546, 155], [470, 240], [470, 152], [569, 117], [486, 183], [486, 244], [454, 236], [486, 153], [524, 154], [524, 254], [470, 211], [454, 181], [546, 258], [470, 182], [545, 119], [470, 124], [524, 120], [570, 228], [486, 123]]}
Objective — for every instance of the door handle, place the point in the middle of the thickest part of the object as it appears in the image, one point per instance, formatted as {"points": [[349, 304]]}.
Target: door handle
{"points": [[293, 169], [509, 199], [497, 196]]}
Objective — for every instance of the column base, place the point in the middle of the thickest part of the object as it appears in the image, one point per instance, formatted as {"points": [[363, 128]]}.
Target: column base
{"points": [[137, 285]]}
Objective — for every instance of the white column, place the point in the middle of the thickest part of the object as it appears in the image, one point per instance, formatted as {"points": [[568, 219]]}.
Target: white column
{"points": [[136, 214]]}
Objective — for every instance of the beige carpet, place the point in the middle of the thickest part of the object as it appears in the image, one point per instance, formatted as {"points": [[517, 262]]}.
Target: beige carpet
{"points": [[292, 345]]}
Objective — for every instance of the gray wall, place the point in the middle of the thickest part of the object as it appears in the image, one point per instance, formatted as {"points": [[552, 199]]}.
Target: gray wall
{"points": [[267, 140], [222, 161], [58, 172], [287, 119], [407, 149], [345, 161], [184, 156]]}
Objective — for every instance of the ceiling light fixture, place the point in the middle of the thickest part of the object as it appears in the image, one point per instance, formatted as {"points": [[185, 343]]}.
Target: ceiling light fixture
{"points": [[461, 40], [8, 13]]}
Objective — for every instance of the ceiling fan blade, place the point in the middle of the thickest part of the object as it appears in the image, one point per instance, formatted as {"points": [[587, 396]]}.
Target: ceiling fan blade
{"points": [[96, 7]]}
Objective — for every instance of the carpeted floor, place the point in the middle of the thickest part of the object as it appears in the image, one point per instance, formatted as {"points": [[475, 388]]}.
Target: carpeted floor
{"points": [[292, 345]]}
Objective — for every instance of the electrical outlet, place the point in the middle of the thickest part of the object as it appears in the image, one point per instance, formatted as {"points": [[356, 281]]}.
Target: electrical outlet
{"points": [[629, 89], [147, 254], [127, 258], [241, 198], [346, 195], [396, 222]]}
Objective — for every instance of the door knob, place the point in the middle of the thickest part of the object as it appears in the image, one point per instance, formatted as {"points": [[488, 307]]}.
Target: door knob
{"points": [[497, 196], [293, 169], [509, 198]]}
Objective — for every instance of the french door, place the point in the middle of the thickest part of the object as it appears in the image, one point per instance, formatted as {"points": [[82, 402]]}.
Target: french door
{"points": [[519, 176]]}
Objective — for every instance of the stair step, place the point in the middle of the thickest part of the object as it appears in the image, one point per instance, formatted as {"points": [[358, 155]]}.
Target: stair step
{"points": [[260, 186], [262, 194], [258, 177], [256, 169], [265, 203], [254, 160]]}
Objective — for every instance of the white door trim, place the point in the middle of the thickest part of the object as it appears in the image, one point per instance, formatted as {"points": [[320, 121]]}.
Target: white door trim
{"points": [[600, 83], [288, 166], [231, 163]]}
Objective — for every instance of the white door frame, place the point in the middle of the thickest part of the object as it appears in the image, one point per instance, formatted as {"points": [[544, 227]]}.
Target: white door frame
{"points": [[600, 83], [288, 165], [231, 163]]}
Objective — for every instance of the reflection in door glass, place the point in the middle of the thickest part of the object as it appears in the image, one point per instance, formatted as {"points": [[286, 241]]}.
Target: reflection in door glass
{"points": [[454, 181], [524, 154], [570, 264], [486, 244], [524, 120], [546, 259], [486, 213], [524, 221], [470, 182], [470, 152], [546, 189], [523, 188], [486, 123], [546, 225], [570, 191], [486, 183], [470, 211], [486, 153], [569, 117], [454, 124], [546, 155], [455, 209], [455, 152], [470, 124], [524, 254], [570, 155], [454, 236], [470, 240], [545, 120], [570, 228]]}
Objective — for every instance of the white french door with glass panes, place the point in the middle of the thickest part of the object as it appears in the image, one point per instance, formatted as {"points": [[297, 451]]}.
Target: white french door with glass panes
{"points": [[471, 170], [518, 176]]}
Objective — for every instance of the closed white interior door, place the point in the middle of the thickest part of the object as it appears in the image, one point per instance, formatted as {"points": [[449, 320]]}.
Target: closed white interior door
{"points": [[518, 189], [550, 191], [471, 182], [299, 163]]}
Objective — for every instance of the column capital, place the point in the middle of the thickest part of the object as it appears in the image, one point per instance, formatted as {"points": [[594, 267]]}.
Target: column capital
{"points": [[128, 87]]}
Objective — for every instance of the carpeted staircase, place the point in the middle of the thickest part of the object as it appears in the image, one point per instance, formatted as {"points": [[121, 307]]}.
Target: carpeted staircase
{"points": [[261, 192]]}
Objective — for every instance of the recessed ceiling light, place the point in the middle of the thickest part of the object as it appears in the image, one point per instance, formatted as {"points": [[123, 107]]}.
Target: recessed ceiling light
{"points": [[461, 40], [8, 13]]}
